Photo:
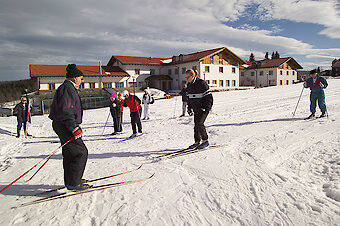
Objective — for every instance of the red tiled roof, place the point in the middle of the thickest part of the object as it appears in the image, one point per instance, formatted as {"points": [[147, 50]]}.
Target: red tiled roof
{"points": [[38, 70], [139, 60], [199, 55], [269, 63]]}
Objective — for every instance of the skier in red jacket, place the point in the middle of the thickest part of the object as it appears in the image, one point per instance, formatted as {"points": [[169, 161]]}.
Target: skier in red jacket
{"points": [[133, 102]]}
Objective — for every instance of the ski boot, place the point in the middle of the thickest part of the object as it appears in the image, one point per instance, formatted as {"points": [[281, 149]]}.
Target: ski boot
{"points": [[204, 144], [322, 115], [311, 116], [194, 146]]}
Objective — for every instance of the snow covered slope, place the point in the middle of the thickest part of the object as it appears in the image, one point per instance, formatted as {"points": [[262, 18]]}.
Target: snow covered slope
{"points": [[274, 169]]}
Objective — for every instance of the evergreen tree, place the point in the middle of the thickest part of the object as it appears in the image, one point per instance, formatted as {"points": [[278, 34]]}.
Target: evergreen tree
{"points": [[266, 56], [252, 57], [277, 55], [273, 55]]}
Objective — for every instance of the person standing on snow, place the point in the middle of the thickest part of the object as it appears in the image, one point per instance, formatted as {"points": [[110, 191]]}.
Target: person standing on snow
{"points": [[200, 100], [146, 103], [67, 113], [116, 110], [22, 110], [184, 95], [133, 102], [317, 85]]}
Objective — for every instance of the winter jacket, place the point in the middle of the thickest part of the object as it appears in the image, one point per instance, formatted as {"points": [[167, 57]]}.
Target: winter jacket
{"points": [[315, 86], [184, 95], [199, 96], [115, 108], [133, 102], [66, 106], [146, 99], [20, 110]]}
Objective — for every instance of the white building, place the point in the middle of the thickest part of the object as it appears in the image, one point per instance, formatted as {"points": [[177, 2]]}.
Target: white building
{"points": [[270, 72], [218, 67]]}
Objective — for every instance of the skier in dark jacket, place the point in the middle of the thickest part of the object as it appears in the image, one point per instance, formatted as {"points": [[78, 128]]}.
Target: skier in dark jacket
{"points": [[184, 95], [200, 100], [316, 84], [116, 111], [133, 102], [22, 110], [66, 113]]}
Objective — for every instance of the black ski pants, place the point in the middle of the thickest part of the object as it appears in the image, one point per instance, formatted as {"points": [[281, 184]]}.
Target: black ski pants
{"points": [[74, 155], [135, 121], [200, 132], [117, 122]]}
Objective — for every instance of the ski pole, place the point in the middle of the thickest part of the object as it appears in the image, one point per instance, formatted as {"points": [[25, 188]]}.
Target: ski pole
{"points": [[48, 157], [298, 101], [106, 123]]}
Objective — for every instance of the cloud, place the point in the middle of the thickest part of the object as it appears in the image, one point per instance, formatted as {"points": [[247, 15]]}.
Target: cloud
{"points": [[85, 31]]}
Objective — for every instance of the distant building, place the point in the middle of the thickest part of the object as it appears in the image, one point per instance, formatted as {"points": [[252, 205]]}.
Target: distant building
{"points": [[50, 77], [336, 67], [219, 67], [270, 72]]}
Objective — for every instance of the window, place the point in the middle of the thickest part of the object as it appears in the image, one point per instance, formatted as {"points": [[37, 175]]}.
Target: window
{"points": [[152, 71], [176, 71], [227, 83], [287, 72], [261, 73], [252, 73], [215, 82], [207, 81], [137, 71], [107, 85], [221, 83], [280, 72], [207, 69], [183, 70], [169, 71], [271, 72], [92, 85], [233, 70], [221, 69], [281, 82], [293, 72], [220, 59], [287, 82], [234, 83], [119, 84], [81, 86], [51, 86], [212, 59]]}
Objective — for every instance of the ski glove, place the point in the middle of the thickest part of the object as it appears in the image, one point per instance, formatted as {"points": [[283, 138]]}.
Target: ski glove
{"points": [[77, 132], [321, 85], [305, 84], [114, 105]]}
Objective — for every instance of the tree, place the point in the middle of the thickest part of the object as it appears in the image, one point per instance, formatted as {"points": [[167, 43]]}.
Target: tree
{"points": [[273, 55], [277, 55], [252, 57], [266, 56]]}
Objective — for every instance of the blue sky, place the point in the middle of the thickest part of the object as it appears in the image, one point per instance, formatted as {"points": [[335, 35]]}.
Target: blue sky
{"points": [[88, 31]]}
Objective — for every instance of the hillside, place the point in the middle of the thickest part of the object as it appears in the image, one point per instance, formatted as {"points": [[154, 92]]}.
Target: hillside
{"points": [[273, 169]]}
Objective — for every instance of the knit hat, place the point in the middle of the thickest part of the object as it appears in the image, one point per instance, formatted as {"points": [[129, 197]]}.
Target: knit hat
{"points": [[312, 72], [72, 71], [125, 92], [113, 95]]}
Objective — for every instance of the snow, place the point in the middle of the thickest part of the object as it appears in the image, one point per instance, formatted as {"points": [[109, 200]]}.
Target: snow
{"points": [[273, 169]]}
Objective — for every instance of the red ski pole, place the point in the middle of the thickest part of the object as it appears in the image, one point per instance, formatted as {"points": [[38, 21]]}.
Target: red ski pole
{"points": [[48, 157]]}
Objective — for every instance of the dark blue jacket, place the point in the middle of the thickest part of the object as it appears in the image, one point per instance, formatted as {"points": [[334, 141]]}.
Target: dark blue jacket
{"points": [[199, 96], [66, 107], [315, 86]]}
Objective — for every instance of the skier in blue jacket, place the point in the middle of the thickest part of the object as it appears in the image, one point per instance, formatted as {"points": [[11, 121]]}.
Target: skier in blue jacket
{"points": [[316, 84]]}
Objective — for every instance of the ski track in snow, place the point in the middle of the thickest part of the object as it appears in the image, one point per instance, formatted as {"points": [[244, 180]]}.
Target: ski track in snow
{"points": [[272, 168]]}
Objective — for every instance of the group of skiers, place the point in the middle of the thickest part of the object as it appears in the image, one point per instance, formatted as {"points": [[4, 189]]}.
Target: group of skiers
{"points": [[67, 112]]}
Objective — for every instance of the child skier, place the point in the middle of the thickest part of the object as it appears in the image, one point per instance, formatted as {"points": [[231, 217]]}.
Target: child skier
{"points": [[116, 110], [316, 84], [133, 102]]}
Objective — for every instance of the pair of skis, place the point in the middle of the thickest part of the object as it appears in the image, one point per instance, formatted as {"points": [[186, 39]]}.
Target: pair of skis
{"points": [[182, 152], [92, 189]]}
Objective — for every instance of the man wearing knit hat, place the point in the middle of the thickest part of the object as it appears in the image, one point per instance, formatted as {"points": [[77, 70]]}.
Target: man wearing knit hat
{"points": [[116, 111], [66, 113]]}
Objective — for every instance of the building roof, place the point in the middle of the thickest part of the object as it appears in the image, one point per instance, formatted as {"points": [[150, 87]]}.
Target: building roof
{"points": [[43, 70], [273, 63], [137, 60], [204, 54]]}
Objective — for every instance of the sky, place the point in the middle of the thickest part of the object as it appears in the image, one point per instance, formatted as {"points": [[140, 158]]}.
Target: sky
{"points": [[88, 31]]}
